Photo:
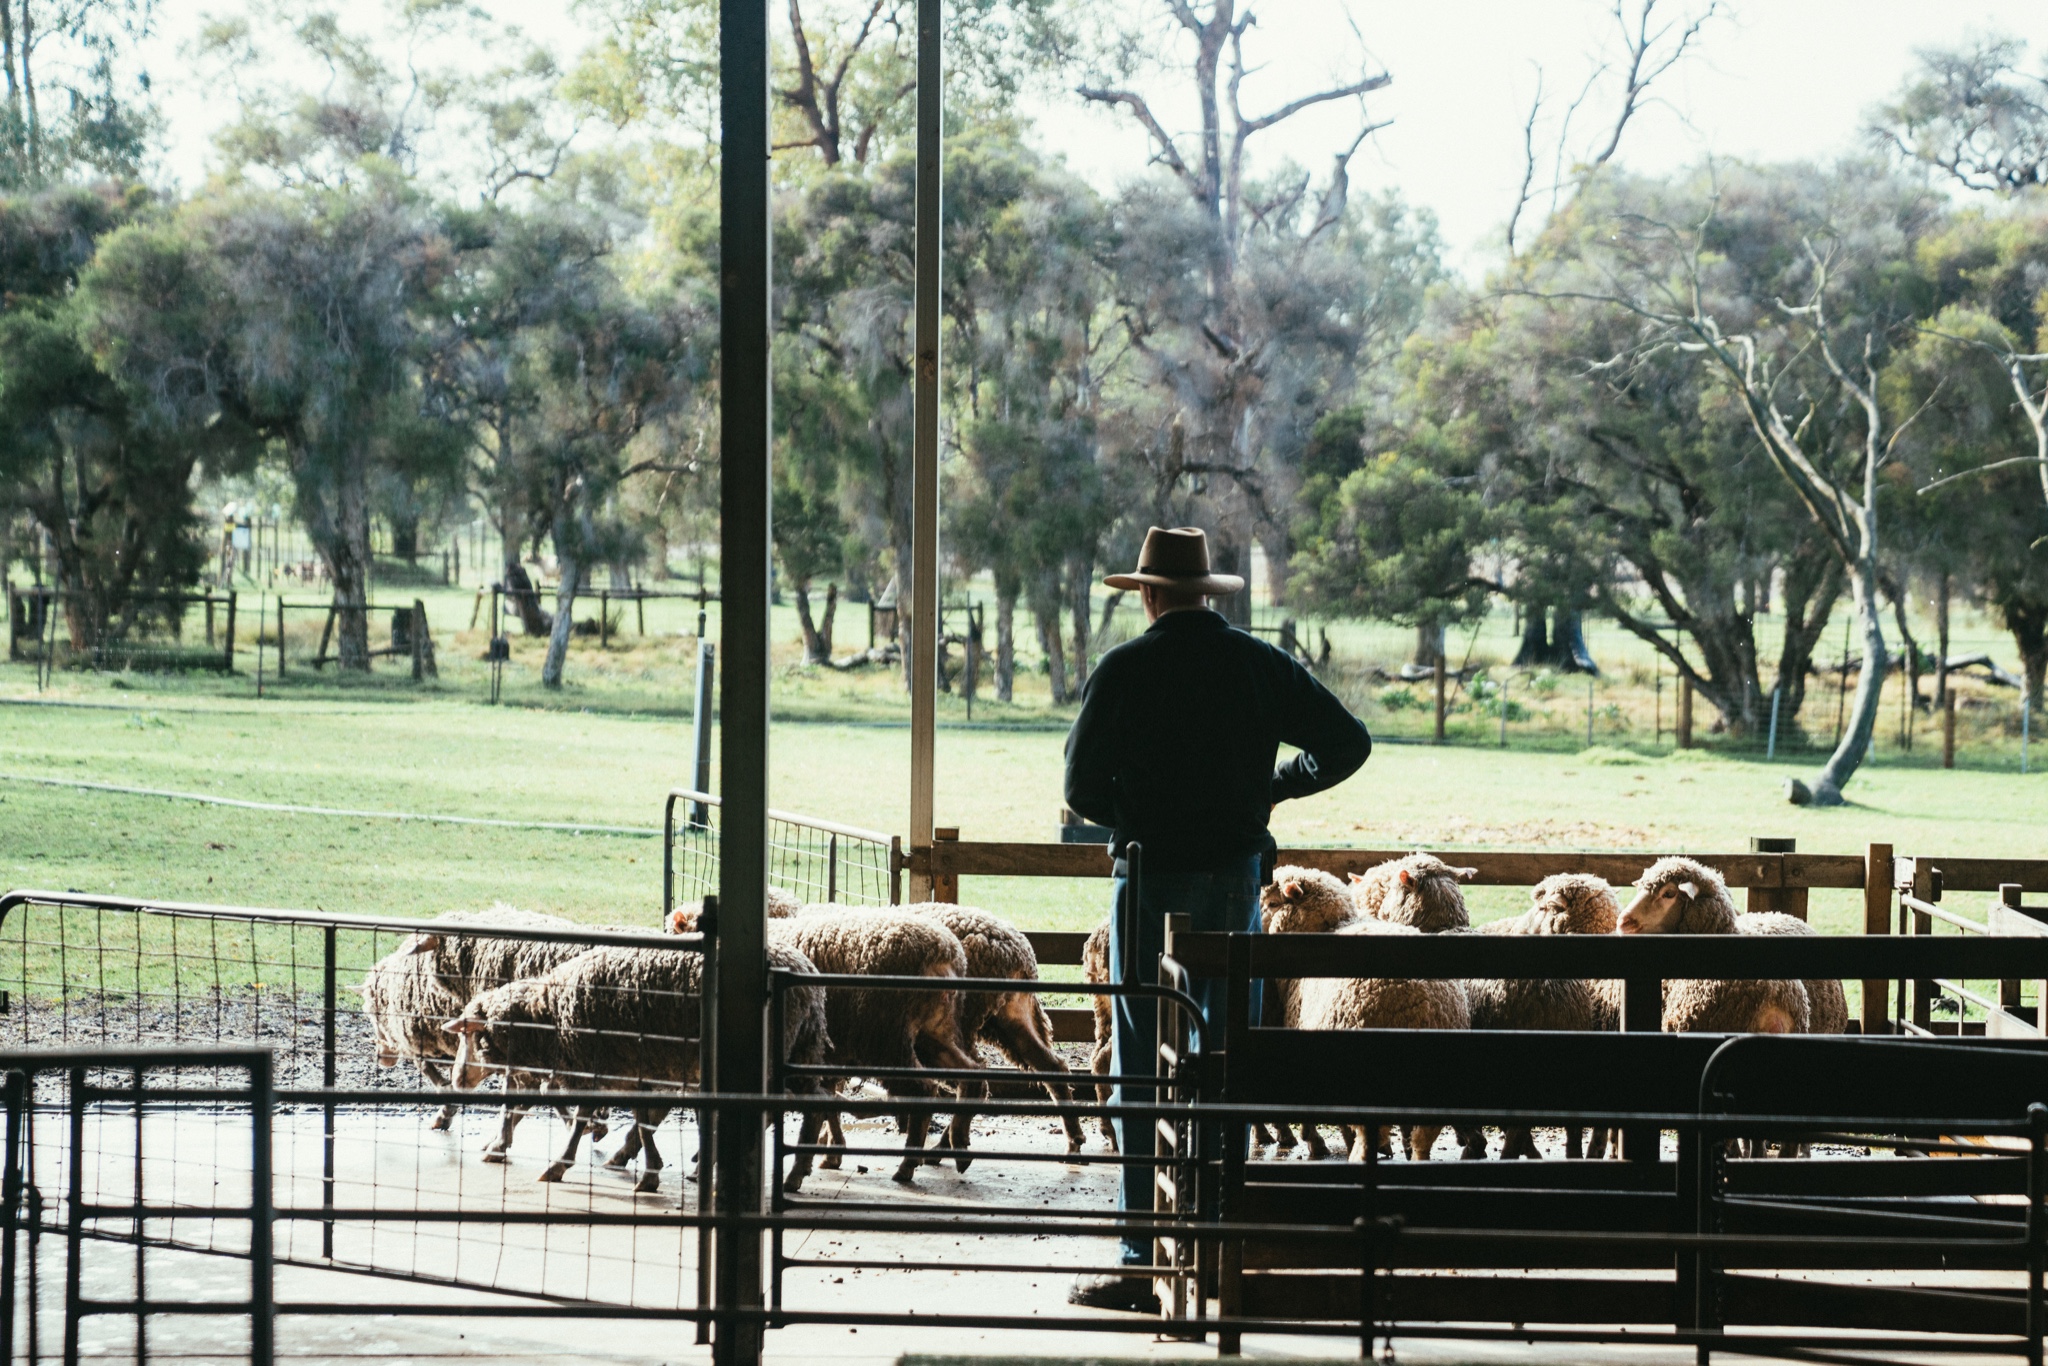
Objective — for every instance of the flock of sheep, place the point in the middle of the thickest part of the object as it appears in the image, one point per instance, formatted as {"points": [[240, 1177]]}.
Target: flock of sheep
{"points": [[547, 1014]]}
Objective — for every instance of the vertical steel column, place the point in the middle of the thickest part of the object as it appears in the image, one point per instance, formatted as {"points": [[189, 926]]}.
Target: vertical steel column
{"points": [[924, 477], [16, 1086], [262, 1268], [746, 408], [327, 1076]]}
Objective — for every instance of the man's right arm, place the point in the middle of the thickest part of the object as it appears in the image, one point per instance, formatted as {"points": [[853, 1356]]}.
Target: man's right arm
{"points": [[1092, 753]]}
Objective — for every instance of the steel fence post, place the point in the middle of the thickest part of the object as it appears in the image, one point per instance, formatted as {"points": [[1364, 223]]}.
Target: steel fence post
{"points": [[262, 1268], [327, 1077], [16, 1092], [74, 1219]]}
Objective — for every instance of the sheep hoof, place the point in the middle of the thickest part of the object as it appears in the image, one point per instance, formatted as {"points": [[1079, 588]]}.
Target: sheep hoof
{"points": [[793, 1183], [906, 1174], [648, 1183], [618, 1159], [494, 1154], [962, 1163], [598, 1129], [440, 1124], [554, 1172], [831, 1163]]}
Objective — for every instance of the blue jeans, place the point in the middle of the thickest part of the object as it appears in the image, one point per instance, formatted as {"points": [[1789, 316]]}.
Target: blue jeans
{"points": [[1225, 900]]}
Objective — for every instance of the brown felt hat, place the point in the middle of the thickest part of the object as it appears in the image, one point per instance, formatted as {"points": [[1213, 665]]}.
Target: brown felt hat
{"points": [[1176, 557]]}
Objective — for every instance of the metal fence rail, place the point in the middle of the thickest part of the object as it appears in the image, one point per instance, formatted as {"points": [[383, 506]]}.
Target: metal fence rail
{"points": [[812, 859]]}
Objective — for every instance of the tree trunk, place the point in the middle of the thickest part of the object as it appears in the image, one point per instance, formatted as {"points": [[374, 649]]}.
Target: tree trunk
{"points": [[1429, 644], [1941, 646], [817, 646], [825, 626], [1006, 638], [1045, 611], [405, 538], [2028, 622], [1813, 584], [1909, 645], [1109, 606], [1570, 644], [1232, 558], [1854, 745], [1080, 585], [565, 619], [1535, 648]]}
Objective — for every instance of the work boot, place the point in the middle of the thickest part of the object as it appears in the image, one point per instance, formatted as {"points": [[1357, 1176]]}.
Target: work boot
{"points": [[1133, 1294]]}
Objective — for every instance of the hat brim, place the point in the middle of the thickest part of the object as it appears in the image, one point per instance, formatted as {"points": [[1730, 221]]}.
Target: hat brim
{"points": [[1210, 585]]}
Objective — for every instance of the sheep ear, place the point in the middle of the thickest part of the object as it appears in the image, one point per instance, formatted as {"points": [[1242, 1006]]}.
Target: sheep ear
{"points": [[1357, 878], [1466, 874], [1290, 890], [466, 1024], [1407, 878], [423, 943], [1691, 890]]}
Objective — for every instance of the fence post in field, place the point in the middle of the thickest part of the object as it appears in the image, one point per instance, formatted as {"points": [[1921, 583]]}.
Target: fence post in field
{"points": [[1948, 728], [1440, 694], [1771, 749], [228, 659], [13, 625], [604, 618], [1684, 727], [280, 635], [209, 621], [945, 886]]}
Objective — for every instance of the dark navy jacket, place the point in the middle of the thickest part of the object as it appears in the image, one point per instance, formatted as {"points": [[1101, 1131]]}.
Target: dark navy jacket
{"points": [[1178, 731]]}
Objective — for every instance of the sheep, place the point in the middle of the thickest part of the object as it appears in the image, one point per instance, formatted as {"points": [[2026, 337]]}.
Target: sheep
{"points": [[617, 1018], [1308, 900], [1824, 995], [1420, 891], [887, 1029], [1095, 969], [1683, 896], [1564, 903], [1014, 1023], [430, 977], [683, 919]]}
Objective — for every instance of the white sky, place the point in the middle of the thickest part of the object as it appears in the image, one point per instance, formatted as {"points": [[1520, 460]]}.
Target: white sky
{"points": [[1771, 79]]}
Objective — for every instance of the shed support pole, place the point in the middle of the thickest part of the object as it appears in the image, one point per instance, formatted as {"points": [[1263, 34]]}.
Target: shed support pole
{"points": [[744, 441], [924, 478]]}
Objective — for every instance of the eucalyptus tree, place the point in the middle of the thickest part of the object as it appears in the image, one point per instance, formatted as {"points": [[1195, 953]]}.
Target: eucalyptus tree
{"points": [[1796, 283], [78, 102], [1975, 113]]}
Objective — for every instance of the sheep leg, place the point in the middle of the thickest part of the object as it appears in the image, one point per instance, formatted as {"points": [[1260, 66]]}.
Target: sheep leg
{"points": [[807, 1133], [496, 1149], [1099, 1064], [1518, 1142], [1312, 1135], [1574, 1142], [1472, 1145], [1421, 1140], [836, 1136], [629, 1146], [917, 1123], [1020, 1042], [645, 1122], [560, 1166], [437, 1075], [948, 1054]]}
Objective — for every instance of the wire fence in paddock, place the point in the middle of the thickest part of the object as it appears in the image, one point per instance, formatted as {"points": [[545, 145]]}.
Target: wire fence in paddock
{"points": [[811, 859]]}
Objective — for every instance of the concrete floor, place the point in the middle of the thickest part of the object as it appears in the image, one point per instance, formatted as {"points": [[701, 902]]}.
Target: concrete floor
{"points": [[393, 1162]]}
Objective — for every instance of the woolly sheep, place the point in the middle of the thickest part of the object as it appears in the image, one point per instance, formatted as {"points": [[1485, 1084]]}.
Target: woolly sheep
{"points": [[1420, 891], [883, 1029], [617, 1018], [1564, 903], [1824, 996], [412, 991], [1684, 896], [1015, 1022], [1095, 969], [683, 919], [1307, 900]]}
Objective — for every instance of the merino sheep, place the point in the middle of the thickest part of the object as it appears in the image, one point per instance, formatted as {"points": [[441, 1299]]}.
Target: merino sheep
{"points": [[617, 1018], [1564, 903], [1095, 969], [1015, 1023], [683, 919], [1307, 900], [410, 992], [1824, 995], [1684, 896], [1420, 891], [895, 1030]]}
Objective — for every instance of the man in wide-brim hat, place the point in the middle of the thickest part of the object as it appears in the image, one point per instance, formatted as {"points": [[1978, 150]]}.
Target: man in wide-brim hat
{"points": [[1174, 750]]}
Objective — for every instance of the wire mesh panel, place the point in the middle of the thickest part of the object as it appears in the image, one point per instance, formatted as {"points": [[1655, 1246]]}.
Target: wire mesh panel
{"points": [[137, 1197], [493, 1197], [813, 860]]}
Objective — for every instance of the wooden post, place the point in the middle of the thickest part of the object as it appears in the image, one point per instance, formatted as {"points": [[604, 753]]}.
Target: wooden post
{"points": [[1781, 898], [280, 635], [228, 659], [945, 886], [1877, 919], [604, 618], [1440, 695], [1684, 712], [419, 640], [1948, 728]]}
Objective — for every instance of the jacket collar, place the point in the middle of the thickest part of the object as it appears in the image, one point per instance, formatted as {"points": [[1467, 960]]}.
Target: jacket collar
{"points": [[1192, 619]]}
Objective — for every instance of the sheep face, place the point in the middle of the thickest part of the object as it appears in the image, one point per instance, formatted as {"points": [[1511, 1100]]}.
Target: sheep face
{"points": [[683, 919], [477, 1050], [1574, 903], [1679, 896], [1424, 893], [1303, 901]]}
